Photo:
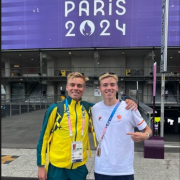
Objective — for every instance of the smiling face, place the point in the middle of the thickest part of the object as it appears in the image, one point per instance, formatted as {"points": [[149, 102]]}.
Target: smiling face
{"points": [[75, 88], [108, 88]]}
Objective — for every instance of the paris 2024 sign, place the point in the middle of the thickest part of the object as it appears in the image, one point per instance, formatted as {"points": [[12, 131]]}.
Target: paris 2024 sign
{"points": [[42, 24]]}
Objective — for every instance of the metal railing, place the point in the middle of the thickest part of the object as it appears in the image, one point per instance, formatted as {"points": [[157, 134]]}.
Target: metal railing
{"points": [[88, 71], [26, 103], [19, 105], [148, 99], [147, 111]]}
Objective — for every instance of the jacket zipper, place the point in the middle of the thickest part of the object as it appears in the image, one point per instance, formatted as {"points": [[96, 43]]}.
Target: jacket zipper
{"points": [[75, 129], [75, 124]]}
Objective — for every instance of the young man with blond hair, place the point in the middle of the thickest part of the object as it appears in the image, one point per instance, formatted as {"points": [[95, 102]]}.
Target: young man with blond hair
{"points": [[114, 127], [65, 138]]}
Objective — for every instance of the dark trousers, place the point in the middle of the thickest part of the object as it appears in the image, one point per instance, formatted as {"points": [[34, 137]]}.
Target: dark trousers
{"points": [[106, 177], [55, 173]]}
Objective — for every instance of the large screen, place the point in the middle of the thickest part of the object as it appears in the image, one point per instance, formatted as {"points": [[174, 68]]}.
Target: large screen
{"points": [[27, 24]]}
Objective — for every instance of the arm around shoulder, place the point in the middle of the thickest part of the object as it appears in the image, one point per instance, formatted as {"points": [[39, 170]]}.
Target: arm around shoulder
{"points": [[131, 104]]}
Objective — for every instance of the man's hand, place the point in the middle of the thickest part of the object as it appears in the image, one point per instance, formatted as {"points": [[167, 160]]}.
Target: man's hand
{"points": [[138, 136], [42, 174], [131, 104]]}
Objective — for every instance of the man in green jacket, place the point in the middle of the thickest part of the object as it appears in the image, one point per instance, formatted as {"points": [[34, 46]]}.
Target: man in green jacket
{"points": [[65, 149]]}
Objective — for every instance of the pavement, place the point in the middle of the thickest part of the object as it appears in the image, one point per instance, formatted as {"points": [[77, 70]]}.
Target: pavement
{"points": [[20, 134]]}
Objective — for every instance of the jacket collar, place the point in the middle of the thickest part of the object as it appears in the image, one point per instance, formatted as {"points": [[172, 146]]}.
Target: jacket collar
{"points": [[72, 101]]}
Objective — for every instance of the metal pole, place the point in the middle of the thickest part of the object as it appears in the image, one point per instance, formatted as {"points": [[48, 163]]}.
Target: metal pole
{"points": [[162, 104], [163, 64], [137, 94], [154, 95]]}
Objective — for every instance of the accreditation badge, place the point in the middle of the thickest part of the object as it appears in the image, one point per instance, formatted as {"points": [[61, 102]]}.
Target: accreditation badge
{"points": [[77, 151]]}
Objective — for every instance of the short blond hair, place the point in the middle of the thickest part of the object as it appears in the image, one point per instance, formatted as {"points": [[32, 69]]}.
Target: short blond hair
{"points": [[107, 75], [77, 75]]}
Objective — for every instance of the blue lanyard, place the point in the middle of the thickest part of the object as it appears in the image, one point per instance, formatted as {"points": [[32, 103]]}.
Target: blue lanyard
{"points": [[109, 120]]}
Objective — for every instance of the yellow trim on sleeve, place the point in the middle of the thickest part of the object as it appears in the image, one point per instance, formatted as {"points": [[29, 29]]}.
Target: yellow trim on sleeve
{"points": [[50, 138], [50, 125], [92, 130]]}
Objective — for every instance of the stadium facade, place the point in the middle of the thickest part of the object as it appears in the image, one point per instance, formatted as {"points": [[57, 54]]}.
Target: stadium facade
{"points": [[42, 41]]}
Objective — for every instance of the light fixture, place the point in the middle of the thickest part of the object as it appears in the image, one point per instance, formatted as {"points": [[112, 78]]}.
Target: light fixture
{"points": [[16, 65], [19, 54], [122, 52], [32, 59], [178, 51], [171, 57], [69, 52]]}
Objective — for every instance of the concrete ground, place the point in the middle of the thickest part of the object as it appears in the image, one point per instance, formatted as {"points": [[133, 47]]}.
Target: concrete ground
{"points": [[145, 169], [18, 152]]}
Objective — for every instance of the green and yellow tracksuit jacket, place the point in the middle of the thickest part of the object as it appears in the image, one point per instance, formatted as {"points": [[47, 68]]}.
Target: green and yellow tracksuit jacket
{"points": [[59, 150]]}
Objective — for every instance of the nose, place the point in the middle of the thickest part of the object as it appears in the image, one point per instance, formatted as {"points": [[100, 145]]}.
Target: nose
{"points": [[109, 87], [75, 87]]}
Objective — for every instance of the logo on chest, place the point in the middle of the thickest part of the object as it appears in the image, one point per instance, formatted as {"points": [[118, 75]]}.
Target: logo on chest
{"points": [[100, 118], [119, 118]]}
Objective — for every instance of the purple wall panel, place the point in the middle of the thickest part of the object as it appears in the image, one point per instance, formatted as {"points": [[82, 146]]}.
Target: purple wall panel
{"points": [[42, 24]]}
